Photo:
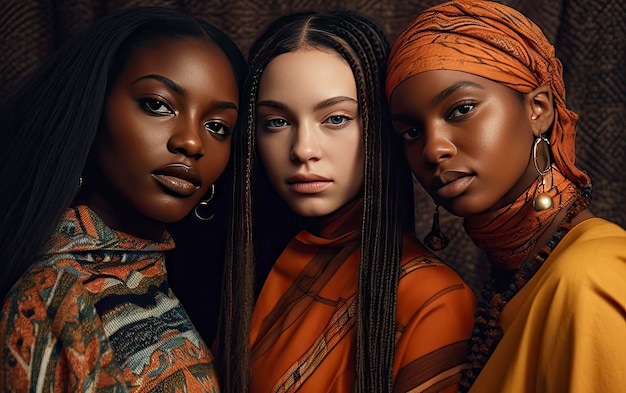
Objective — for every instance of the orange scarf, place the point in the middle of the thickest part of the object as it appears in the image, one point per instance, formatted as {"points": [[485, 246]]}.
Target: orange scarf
{"points": [[510, 234], [303, 323], [496, 42]]}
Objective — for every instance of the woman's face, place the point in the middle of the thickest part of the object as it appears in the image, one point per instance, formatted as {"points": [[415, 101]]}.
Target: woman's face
{"points": [[468, 140], [309, 131], [168, 121]]}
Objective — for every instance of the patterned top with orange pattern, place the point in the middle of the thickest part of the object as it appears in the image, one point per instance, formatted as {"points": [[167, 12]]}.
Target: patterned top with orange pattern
{"points": [[94, 313]]}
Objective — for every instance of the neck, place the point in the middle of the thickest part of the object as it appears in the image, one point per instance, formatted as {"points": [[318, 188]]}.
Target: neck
{"points": [[120, 216], [514, 234], [317, 225]]}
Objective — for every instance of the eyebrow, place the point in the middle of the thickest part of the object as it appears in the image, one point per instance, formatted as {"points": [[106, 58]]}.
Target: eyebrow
{"points": [[226, 105], [166, 81], [324, 104], [332, 101], [402, 117], [455, 87], [438, 98], [271, 104], [178, 89]]}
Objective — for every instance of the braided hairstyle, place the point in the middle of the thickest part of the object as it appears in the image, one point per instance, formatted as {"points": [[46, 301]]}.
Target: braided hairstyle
{"points": [[50, 123], [386, 190]]}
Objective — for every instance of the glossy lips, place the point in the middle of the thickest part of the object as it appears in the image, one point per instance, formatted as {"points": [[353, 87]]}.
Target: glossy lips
{"points": [[450, 184], [180, 179], [308, 184]]}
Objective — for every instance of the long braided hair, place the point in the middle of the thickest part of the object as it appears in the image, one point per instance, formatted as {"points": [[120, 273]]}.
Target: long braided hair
{"points": [[385, 192], [51, 121]]}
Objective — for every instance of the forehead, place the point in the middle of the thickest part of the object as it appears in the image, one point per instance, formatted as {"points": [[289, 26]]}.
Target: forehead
{"points": [[317, 74], [181, 57], [435, 85]]}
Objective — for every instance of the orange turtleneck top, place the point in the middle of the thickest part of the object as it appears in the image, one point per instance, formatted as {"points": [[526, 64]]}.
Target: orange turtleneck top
{"points": [[303, 324]]}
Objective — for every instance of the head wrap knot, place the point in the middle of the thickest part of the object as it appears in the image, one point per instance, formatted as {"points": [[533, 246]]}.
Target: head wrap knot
{"points": [[496, 42]]}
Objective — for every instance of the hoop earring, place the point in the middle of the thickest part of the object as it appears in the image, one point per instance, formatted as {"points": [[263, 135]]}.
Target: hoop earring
{"points": [[205, 203], [436, 240], [543, 200]]}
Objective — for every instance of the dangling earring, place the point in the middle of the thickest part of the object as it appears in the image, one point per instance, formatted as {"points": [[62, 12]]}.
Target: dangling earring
{"points": [[435, 239], [205, 203], [543, 200], [80, 183]]}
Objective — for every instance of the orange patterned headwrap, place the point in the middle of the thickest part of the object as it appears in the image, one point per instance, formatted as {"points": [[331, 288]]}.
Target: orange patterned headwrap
{"points": [[496, 42]]}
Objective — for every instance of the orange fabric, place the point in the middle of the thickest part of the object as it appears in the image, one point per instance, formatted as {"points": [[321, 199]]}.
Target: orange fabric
{"points": [[496, 42], [303, 324], [95, 313], [508, 235]]}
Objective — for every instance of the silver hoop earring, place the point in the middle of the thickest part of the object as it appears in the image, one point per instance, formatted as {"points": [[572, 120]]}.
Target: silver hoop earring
{"points": [[203, 204], [543, 200]]}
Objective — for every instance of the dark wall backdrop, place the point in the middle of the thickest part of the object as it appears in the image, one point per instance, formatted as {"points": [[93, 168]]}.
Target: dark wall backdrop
{"points": [[589, 35]]}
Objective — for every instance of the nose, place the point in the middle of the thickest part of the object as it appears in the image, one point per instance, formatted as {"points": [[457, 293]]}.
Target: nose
{"points": [[306, 144], [438, 147], [187, 139]]}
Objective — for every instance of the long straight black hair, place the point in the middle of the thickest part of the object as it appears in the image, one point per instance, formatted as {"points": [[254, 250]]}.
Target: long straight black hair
{"points": [[50, 123], [387, 185]]}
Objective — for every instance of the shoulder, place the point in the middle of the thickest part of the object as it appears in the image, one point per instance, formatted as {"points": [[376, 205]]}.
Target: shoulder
{"points": [[425, 279], [591, 258], [418, 263], [592, 246], [50, 315], [597, 230], [44, 293]]}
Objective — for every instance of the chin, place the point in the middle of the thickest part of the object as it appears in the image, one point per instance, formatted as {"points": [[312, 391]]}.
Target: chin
{"points": [[469, 213], [311, 209], [169, 215], [461, 209]]}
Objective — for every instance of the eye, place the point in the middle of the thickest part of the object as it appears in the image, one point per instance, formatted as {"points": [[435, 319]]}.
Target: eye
{"points": [[338, 120], [461, 110], [411, 134], [217, 128], [275, 123], [155, 107]]}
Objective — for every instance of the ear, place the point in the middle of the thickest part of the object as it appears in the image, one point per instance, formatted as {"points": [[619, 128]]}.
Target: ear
{"points": [[540, 107]]}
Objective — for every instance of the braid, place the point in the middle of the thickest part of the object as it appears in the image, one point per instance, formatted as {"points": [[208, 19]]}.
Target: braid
{"points": [[380, 254], [363, 45], [238, 299]]}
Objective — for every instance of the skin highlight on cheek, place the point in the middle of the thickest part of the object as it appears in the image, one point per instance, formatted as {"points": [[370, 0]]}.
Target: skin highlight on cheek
{"points": [[466, 138], [311, 144], [165, 140]]}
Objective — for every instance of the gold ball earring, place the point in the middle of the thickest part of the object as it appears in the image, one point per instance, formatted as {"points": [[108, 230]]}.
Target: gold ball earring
{"points": [[543, 200]]}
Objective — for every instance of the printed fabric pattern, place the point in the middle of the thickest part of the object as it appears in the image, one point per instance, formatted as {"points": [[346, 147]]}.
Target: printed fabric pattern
{"points": [[304, 321], [96, 313]]}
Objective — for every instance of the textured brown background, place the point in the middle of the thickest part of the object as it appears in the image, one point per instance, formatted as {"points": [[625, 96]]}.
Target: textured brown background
{"points": [[589, 35]]}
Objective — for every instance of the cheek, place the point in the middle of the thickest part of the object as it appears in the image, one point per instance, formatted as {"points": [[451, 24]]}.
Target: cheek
{"points": [[349, 149], [273, 151], [215, 160], [414, 159], [507, 142], [129, 134], [354, 154]]}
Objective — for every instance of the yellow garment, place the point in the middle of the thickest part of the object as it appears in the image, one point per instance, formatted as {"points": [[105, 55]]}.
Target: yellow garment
{"points": [[565, 331]]}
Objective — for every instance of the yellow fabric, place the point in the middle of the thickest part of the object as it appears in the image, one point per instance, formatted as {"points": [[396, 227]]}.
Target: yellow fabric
{"points": [[574, 307]]}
